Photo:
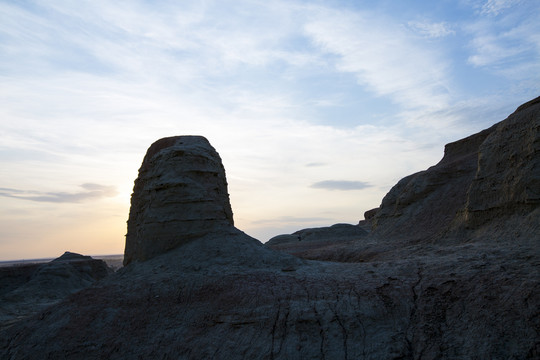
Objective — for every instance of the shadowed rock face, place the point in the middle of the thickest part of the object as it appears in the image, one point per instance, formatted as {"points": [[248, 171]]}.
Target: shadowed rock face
{"points": [[180, 194], [423, 206]]}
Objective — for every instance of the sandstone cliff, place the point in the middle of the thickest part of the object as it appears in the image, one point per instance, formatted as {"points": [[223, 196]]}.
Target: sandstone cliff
{"points": [[439, 289]]}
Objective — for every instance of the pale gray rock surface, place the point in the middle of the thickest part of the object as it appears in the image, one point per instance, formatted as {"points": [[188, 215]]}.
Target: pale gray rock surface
{"points": [[226, 296], [439, 289]]}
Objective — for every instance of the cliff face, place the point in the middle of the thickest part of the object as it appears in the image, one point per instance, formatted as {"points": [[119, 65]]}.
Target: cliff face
{"points": [[507, 181], [486, 185], [180, 194], [429, 282]]}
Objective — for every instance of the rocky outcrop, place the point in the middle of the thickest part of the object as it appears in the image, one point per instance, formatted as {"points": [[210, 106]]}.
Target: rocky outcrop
{"points": [[28, 289], [180, 194], [439, 292]]}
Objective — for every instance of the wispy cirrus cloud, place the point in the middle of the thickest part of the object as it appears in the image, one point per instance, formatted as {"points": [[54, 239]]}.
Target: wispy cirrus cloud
{"points": [[382, 57], [509, 46], [91, 192], [340, 185], [494, 7]]}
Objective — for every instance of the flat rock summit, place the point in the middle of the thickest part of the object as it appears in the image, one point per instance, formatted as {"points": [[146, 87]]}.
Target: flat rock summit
{"points": [[448, 267]]}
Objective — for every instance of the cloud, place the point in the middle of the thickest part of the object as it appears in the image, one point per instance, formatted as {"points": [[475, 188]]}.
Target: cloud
{"points": [[494, 7], [92, 192], [315, 164], [510, 46], [431, 30], [384, 58], [340, 185]]}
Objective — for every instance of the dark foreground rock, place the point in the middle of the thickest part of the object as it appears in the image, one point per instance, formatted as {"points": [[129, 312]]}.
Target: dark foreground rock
{"points": [[226, 296], [27, 289], [452, 292]]}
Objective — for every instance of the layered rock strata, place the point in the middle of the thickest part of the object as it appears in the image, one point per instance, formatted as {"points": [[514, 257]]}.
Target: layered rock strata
{"points": [[180, 194]]}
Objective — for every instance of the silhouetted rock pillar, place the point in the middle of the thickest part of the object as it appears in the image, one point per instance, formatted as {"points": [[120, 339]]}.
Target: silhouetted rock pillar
{"points": [[180, 194]]}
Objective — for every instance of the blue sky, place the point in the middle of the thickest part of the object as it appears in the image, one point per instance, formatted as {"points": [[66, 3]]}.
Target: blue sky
{"points": [[316, 108]]}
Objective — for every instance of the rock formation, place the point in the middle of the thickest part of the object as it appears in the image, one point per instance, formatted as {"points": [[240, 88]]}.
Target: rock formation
{"points": [[439, 289], [180, 194], [27, 289], [488, 183]]}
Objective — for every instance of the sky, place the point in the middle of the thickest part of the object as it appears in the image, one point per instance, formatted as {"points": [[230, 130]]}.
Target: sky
{"points": [[317, 108]]}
